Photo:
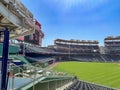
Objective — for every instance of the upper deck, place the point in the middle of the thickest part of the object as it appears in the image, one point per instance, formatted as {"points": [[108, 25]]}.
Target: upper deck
{"points": [[76, 42], [15, 16], [112, 38]]}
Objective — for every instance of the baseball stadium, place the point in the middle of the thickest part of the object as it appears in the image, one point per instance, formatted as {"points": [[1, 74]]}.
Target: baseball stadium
{"points": [[66, 65]]}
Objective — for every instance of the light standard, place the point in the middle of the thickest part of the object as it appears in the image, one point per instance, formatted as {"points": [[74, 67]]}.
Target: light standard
{"points": [[69, 52]]}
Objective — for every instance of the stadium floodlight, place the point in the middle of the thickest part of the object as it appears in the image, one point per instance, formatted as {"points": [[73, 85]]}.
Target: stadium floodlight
{"points": [[69, 51]]}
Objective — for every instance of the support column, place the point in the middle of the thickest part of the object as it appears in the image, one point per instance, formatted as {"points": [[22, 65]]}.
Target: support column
{"points": [[5, 60]]}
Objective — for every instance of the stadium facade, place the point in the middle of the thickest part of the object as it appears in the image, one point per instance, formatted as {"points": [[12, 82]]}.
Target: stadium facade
{"points": [[112, 45], [76, 46]]}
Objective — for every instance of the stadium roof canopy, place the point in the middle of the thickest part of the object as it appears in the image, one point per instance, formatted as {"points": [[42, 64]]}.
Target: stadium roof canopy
{"points": [[112, 38], [15, 16], [77, 41]]}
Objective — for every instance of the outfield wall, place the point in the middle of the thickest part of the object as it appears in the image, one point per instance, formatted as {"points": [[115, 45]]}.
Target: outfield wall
{"points": [[13, 49]]}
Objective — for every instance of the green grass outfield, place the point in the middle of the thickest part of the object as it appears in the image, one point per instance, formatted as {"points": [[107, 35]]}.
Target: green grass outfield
{"points": [[107, 74]]}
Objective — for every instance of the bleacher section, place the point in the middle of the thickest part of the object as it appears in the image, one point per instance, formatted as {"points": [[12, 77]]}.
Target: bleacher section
{"points": [[84, 51], [38, 49], [76, 47], [40, 59], [97, 58], [81, 85], [46, 54], [88, 58], [111, 58], [112, 45]]}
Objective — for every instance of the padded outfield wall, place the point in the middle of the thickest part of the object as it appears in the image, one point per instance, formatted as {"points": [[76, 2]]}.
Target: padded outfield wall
{"points": [[13, 49]]}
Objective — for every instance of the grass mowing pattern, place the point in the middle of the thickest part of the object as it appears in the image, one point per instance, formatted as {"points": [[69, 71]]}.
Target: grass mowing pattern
{"points": [[107, 74]]}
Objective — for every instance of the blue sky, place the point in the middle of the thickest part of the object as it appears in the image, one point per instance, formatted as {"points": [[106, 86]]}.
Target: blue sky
{"points": [[76, 19]]}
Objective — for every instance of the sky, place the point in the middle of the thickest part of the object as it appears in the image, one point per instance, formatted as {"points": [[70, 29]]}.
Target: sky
{"points": [[76, 19]]}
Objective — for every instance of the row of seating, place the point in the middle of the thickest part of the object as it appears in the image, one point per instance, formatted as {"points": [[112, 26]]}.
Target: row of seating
{"points": [[81, 85], [40, 59], [88, 58], [96, 58], [39, 49], [79, 55], [111, 58], [78, 46], [112, 43]]}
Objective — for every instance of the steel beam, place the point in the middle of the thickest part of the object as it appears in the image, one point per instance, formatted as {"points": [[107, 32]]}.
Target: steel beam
{"points": [[10, 16]]}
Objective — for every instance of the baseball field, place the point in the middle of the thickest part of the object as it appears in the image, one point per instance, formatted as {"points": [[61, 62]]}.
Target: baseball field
{"points": [[107, 74]]}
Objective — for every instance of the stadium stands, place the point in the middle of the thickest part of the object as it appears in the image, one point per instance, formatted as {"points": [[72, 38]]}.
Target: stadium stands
{"points": [[38, 49], [40, 59], [76, 46], [88, 58], [111, 58], [84, 51], [112, 45], [81, 85]]}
